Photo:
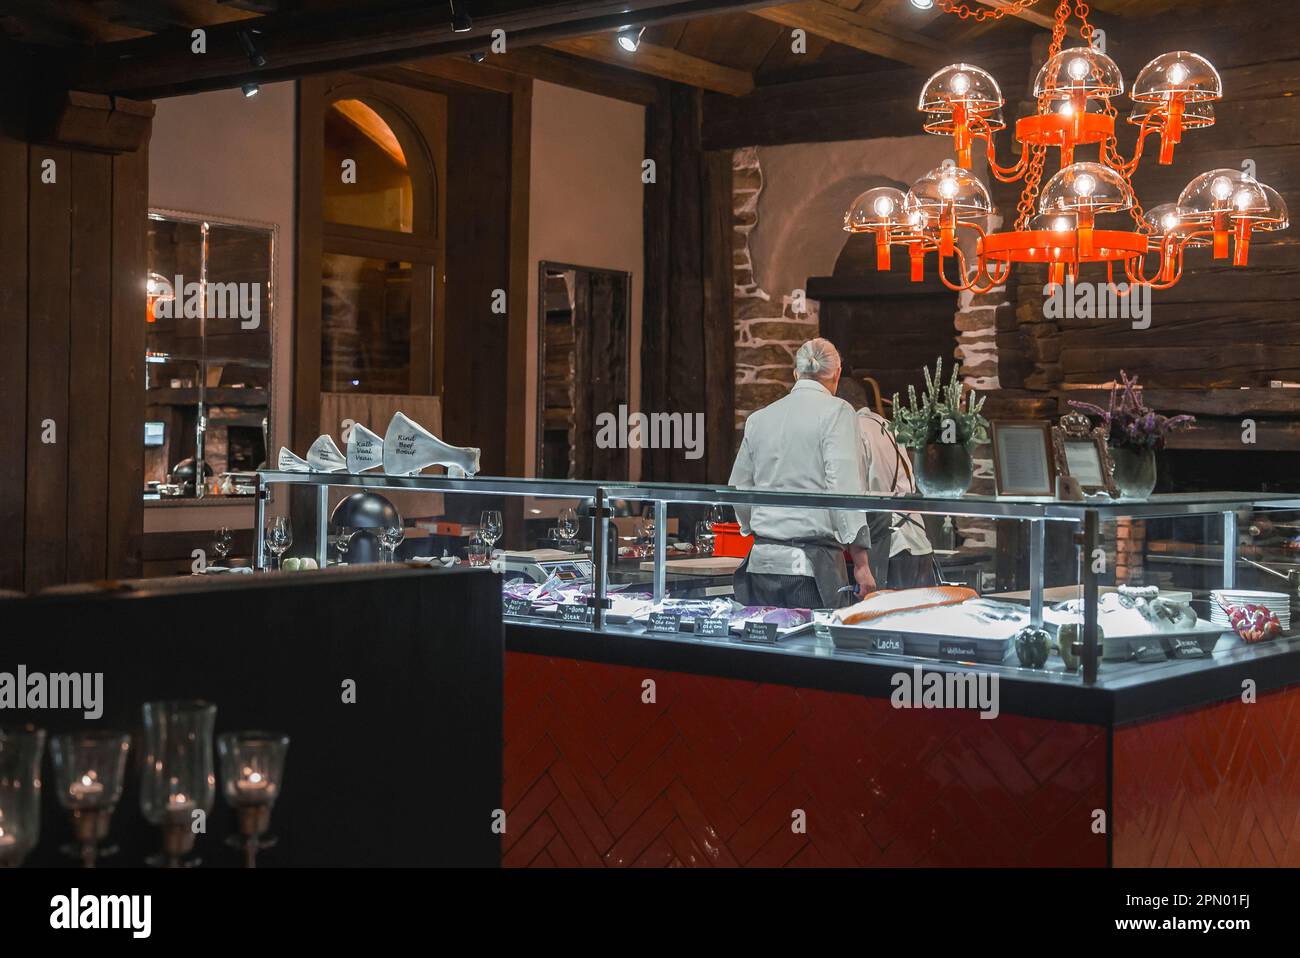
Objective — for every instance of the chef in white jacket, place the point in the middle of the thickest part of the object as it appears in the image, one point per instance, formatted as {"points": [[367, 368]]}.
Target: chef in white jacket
{"points": [[806, 441]]}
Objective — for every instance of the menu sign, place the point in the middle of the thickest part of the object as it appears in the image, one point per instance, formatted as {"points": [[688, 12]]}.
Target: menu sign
{"points": [[664, 622], [518, 607], [960, 649], [715, 628], [759, 632]]}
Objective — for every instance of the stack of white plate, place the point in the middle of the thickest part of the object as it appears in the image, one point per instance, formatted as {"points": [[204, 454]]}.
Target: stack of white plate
{"points": [[1279, 603]]}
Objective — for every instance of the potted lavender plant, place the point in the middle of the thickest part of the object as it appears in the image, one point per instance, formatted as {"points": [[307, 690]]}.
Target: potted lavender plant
{"points": [[941, 429], [1134, 431]]}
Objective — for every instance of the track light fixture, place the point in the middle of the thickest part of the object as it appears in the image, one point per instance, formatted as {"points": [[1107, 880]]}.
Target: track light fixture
{"points": [[629, 38], [255, 56], [460, 20], [251, 89], [478, 56]]}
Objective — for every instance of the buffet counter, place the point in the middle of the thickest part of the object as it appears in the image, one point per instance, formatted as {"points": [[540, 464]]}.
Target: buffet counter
{"points": [[636, 735]]}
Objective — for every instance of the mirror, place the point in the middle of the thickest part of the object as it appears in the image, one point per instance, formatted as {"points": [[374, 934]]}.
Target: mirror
{"points": [[582, 368], [207, 356]]}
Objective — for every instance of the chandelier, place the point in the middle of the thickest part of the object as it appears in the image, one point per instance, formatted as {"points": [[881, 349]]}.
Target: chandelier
{"points": [[1060, 222]]}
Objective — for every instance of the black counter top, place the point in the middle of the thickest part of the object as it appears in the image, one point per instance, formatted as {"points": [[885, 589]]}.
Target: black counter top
{"points": [[1125, 691]]}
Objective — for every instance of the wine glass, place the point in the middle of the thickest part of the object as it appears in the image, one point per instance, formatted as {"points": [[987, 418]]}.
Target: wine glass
{"points": [[490, 527], [704, 537], [567, 528], [221, 543], [342, 542], [279, 537], [390, 537]]}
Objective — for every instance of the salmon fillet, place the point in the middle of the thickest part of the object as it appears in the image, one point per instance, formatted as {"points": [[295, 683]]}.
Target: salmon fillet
{"points": [[888, 601]]}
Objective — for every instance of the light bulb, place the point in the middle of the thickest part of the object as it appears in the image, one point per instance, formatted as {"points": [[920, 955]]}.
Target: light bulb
{"points": [[1177, 74], [948, 187], [923, 4], [1084, 184], [960, 83], [1221, 188], [1078, 68], [1067, 108], [884, 205], [1061, 224], [1243, 200], [914, 219], [1169, 222]]}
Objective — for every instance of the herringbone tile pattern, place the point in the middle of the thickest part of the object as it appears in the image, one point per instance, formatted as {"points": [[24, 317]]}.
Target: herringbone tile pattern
{"points": [[1218, 786], [711, 773]]}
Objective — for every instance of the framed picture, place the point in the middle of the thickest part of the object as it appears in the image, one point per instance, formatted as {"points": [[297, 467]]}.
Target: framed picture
{"points": [[1022, 458], [1081, 453]]}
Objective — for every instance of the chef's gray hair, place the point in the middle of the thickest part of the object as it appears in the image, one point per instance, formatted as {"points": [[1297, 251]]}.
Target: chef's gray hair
{"points": [[817, 359]]}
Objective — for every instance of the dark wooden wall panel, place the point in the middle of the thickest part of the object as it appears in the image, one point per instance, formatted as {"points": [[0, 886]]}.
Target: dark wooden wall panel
{"points": [[48, 343], [13, 353], [126, 393], [88, 388]]}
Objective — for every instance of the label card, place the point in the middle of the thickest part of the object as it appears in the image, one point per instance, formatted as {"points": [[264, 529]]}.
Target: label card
{"points": [[889, 644], [517, 607], [1187, 649], [575, 613], [713, 628], [664, 622], [759, 632], [960, 649]]}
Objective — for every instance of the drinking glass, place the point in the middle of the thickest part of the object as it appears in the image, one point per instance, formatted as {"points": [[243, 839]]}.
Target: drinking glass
{"points": [[279, 537], [704, 537], [342, 542], [21, 750], [252, 771], [179, 778], [221, 543], [88, 777], [390, 537], [490, 527], [568, 527], [477, 551]]}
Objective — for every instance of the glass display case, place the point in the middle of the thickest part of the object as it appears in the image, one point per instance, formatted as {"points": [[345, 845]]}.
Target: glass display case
{"points": [[1099, 592]]}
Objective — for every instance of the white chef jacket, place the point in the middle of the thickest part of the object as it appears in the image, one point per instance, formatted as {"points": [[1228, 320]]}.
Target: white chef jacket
{"points": [[889, 471], [806, 441]]}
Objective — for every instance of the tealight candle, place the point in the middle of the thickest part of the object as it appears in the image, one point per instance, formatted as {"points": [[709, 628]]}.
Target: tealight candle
{"points": [[86, 788]]}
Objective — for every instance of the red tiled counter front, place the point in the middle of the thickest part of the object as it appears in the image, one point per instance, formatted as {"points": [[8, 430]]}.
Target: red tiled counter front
{"points": [[1214, 786], [712, 772]]}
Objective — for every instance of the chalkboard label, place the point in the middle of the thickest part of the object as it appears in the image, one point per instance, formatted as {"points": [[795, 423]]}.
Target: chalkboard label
{"points": [[518, 607], [664, 622], [575, 613], [891, 644], [759, 632], [956, 649], [712, 627], [1188, 649]]}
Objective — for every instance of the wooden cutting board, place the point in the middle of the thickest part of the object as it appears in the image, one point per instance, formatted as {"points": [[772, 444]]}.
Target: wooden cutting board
{"points": [[711, 565]]}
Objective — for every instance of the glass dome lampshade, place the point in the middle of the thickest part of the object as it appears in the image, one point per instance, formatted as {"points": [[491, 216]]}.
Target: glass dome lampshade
{"points": [[1169, 232], [948, 195], [1077, 74], [1275, 216], [955, 96], [878, 210], [1085, 189], [1168, 86], [1227, 201]]}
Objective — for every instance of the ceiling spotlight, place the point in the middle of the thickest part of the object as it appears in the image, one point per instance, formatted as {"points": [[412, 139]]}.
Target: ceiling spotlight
{"points": [[255, 56], [478, 56], [923, 4], [629, 38], [251, 89], [460, 20]]}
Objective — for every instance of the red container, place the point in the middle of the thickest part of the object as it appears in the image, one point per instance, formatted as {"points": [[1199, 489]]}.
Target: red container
{"points": [[727, 540]]}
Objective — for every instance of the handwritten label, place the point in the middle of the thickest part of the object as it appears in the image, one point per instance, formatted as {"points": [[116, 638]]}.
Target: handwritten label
{"points": [[956, 649], [759, 632], [715, 628], [575, 613], [664, 622], [1188, 649], [889, 644], [518, 607]]}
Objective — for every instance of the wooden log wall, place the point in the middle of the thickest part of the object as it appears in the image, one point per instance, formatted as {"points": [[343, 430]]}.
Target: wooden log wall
{"points": [[687, 339], [72, 341]]}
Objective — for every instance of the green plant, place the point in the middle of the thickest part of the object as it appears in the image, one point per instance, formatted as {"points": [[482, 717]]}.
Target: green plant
{"points": [[920, 423]]}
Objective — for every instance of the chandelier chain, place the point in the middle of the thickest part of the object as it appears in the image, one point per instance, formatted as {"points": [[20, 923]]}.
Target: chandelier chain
{"points": [[981, 13]]}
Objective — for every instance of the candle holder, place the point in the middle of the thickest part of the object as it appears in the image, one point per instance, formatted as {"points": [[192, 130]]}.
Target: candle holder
{"points": [[252, 771], [88, 778], [21, 750], [178, 778]]}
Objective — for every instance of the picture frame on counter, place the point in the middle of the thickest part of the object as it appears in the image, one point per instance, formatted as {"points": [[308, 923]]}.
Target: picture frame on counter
{"points": [[1081, 453], [1023, 463]]}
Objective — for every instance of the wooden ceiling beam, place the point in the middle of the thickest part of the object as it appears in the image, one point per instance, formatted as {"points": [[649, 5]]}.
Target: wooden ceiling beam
{"points": [[302, 43], [1027, 15], [878, 36], [663, 62], [498, 73]]}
